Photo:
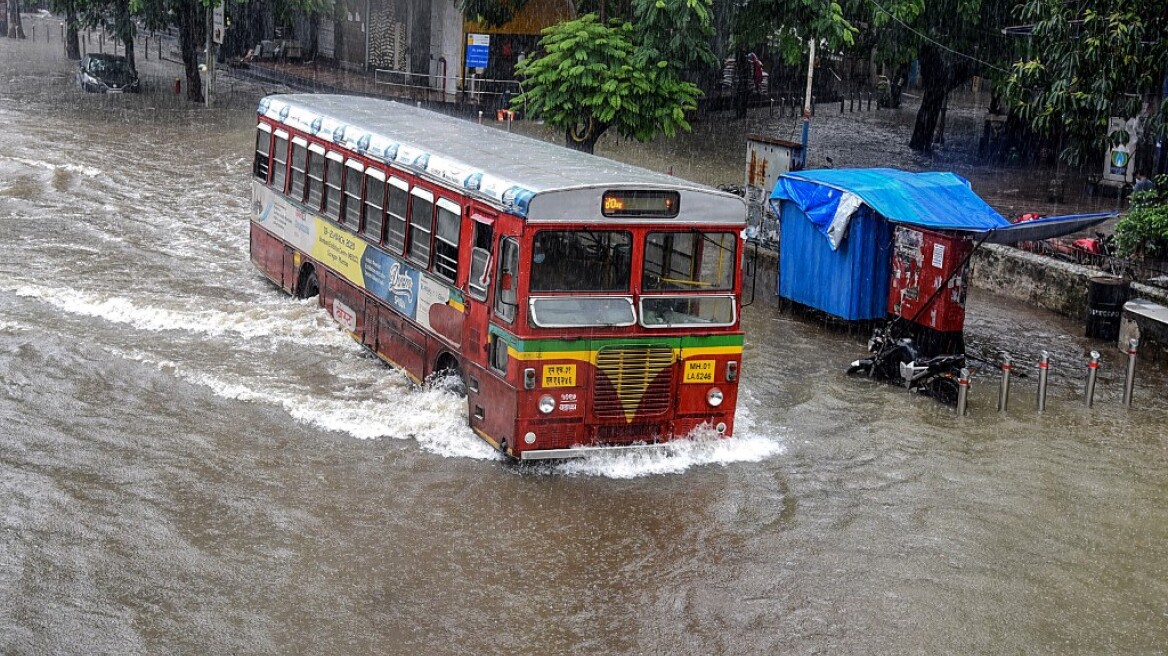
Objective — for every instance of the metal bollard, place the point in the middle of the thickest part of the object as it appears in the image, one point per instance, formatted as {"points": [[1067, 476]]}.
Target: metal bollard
{"points": [[962, 392], [869, 101], [1043, 371], [1004, 389], [1130, 382], [1092, 374], [841, 105], [480, 117], [852, 103]]}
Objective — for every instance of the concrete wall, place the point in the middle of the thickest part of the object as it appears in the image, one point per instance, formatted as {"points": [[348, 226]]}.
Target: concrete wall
{"points": [[1044, 281]]}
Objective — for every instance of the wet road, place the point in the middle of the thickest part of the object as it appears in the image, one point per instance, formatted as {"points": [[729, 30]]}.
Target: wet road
{"points": [[192, 462]]}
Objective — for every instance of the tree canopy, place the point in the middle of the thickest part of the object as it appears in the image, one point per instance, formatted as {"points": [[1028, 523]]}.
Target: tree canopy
{"points": [[589, 77], [1088, 62]]}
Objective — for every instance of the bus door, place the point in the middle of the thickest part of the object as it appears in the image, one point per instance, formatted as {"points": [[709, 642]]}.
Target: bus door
{"points": [[477, 287], [492, 397]]}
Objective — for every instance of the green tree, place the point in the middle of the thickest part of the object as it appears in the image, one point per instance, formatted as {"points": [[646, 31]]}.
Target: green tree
{"points": [[953, 41], [1144, 230], [189, 16], [72, 23], [590, 76], [1090, 61]]}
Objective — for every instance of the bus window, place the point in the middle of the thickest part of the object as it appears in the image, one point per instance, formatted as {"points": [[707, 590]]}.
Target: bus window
{"points": [[581, 261], [315, 176], [446, 235], [352, 204], [299, 165], [689, 260], [280, 161], [395, 229], [421, 226], [332, 186], [480, 261], [507, 280], [263, 152], [374, 205]]}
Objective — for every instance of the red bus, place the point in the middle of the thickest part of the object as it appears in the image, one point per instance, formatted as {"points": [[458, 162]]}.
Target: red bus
{"points": [[584, 303]]}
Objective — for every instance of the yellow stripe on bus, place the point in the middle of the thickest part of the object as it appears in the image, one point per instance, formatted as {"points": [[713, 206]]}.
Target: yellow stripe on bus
{"points": [[590, 356]]}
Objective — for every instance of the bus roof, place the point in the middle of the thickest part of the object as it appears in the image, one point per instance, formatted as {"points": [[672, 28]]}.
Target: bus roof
{"points": [[534, 179]]}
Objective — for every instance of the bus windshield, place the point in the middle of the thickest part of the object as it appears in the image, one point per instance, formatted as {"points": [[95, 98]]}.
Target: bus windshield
{"points": [[694, 261], [581, 261]]}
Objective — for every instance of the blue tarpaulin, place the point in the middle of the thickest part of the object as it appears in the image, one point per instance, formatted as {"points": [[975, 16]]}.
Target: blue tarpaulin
{"points": [[942, 201], [850, 282]]}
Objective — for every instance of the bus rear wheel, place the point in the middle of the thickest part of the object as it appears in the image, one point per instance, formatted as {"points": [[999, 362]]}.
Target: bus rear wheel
{"points": [[309, 285], [447, 375]]}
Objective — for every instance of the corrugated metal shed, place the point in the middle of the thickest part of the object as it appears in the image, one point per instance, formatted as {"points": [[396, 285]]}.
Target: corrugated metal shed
{"points": [[850, 282]]}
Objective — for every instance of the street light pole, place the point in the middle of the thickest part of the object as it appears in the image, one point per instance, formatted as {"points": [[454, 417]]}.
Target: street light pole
{"points": [[807, 100], [210, 76]]}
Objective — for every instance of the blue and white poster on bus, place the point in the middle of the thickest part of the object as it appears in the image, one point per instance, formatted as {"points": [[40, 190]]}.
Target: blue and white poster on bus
{"points": [[407, 290]]}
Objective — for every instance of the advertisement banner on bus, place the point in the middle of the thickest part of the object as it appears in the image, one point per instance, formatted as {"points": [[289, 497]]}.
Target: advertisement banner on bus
{"points": [[407, 290]]}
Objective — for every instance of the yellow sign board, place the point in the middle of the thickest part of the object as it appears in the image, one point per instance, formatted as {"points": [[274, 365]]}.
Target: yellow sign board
{"points": [[559, 375], [699, 371]]}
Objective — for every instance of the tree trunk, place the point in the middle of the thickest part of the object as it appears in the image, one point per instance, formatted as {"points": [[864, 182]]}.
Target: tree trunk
{"points": [[938, 78], [15, 29], [72, 42], [124, 29], [934, 83], [583, 136], [188, 36], [741, 90]]}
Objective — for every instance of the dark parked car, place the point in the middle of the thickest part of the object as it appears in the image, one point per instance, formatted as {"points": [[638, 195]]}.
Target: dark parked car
{"points": [[102, 73]]}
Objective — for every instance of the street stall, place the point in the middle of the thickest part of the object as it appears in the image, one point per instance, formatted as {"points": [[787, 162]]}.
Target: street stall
{"points": [[886, 244]]}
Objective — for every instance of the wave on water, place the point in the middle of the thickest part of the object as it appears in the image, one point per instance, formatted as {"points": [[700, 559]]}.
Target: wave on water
{"points": [[391, 409], [703, 447], [372, 403], [87, 171], [283, 321], [375, 404]]}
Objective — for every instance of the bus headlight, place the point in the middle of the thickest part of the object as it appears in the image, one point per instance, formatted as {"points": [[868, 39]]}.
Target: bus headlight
{"points": [[547, 404], [714, 397]]}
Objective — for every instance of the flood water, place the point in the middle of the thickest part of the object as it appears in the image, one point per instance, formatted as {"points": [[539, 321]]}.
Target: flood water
{"points": [[192, 462]]}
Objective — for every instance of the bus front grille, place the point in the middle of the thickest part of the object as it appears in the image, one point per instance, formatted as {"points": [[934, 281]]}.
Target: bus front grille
{"points": [[633, 380]]}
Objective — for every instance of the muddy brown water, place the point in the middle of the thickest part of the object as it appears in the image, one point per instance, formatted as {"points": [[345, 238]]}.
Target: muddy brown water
{"points": [[191, 462]]}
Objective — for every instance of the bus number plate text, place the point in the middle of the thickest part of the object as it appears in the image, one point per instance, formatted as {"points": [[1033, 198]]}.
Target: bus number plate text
{"points": [[699, 371], [559, 375]]}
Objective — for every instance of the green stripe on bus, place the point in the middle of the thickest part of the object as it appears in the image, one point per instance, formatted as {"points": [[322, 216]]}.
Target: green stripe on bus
{"points": [[539, 345]]}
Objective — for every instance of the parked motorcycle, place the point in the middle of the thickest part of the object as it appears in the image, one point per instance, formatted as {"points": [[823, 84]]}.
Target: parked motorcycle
{"points": [[899, 361], [1102, 251]]}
